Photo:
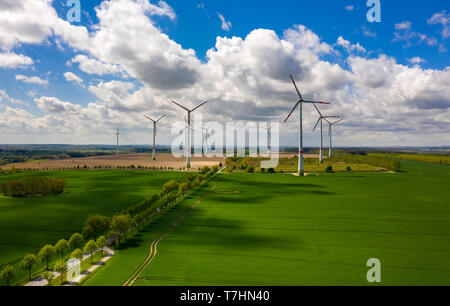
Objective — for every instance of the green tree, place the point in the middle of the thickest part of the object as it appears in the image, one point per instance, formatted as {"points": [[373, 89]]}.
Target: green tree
{"points": [[99, 224], [46, 253], [60, 267], [169, 187], [121, 224], [60, 246], [184, 187], [77, 253], [88, 232], [7, 274], [205, 170], [102, 242], [90, 247], [28, 262], [75, 241], [48, 276]]}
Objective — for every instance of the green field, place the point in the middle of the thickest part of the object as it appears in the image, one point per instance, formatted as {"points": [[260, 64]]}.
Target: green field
{"points": [[278, 229], [27, 224]]}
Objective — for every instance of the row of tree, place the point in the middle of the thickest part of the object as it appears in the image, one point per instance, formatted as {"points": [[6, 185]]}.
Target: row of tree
{"points": [[47, 252], [33, 186]]}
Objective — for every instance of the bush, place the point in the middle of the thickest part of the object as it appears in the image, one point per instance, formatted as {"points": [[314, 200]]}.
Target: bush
{"points": [[329, 169], [205, 170], [31, 187], [271, 170], [348, 168], [251, 169]]}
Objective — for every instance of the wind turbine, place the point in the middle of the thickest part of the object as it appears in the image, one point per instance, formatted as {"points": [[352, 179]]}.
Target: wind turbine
{"points": [[117, 146], [269, 139], [188, 142], [154, 133], [207, 136], [330, 153], [321, 118], [300, 102]]}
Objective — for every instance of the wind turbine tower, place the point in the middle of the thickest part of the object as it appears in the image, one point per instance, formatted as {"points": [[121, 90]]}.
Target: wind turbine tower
{"points": [[330, 124], [299, 103], [188, 138], [117, 145], [154, 133], [320, 120]]}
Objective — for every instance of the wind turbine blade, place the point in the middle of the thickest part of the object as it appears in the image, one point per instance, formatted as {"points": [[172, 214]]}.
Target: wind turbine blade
{"points": [[317, 109], [292, 111], [331, 117], [316, 102], [149, 118], [180, 105], [199, 106], [296, 88], [337, 121], [320, 118], [161, 118]]}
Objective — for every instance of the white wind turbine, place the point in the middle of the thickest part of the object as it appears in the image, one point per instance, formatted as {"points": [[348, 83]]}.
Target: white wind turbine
{"points": [[188, 128], [300, 102], [330, 153], [117, 144], [269, 139], [321, 118], [154, 133], [207, 136]]}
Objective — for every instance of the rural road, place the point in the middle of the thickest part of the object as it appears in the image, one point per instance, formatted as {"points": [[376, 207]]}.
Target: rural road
{"points": [[42, 282]]}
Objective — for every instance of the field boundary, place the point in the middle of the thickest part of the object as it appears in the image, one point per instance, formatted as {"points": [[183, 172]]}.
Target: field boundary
{"points": [[154, 245]]}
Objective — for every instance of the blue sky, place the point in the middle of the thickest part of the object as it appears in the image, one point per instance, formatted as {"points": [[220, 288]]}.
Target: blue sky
{"points": [[411, 39]]}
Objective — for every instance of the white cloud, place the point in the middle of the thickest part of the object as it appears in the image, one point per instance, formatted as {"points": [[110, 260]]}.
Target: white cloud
{"points": [[349, 8], [72, 77], [12, 60], [368, 32], [350, 47], [405, 25], [442, 18], [31, 79], [5, 97], [226, 25], [404, 33], [54, 105], [416, 60], [93, 66]]}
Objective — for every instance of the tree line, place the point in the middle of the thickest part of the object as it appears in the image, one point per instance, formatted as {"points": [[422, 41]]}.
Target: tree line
{"points": [[33, 186]]}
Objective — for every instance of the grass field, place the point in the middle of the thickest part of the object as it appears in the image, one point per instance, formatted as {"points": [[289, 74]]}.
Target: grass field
{"points": [[27, 224], [278, 229]]}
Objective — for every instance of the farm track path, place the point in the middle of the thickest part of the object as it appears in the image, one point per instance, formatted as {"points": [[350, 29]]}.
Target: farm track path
{"points": [[154, 245]]}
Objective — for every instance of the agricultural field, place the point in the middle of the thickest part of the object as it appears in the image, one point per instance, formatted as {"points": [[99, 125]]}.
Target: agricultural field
{"points": [[279, 229], [164, 160], [26, 224]]}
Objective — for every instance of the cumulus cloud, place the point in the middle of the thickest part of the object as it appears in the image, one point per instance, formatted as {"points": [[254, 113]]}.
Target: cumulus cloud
{"points": [[12, 60], [54, 105], [72, 77], [31, 79], [93, 66], [350, 47], [226, 25]]}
